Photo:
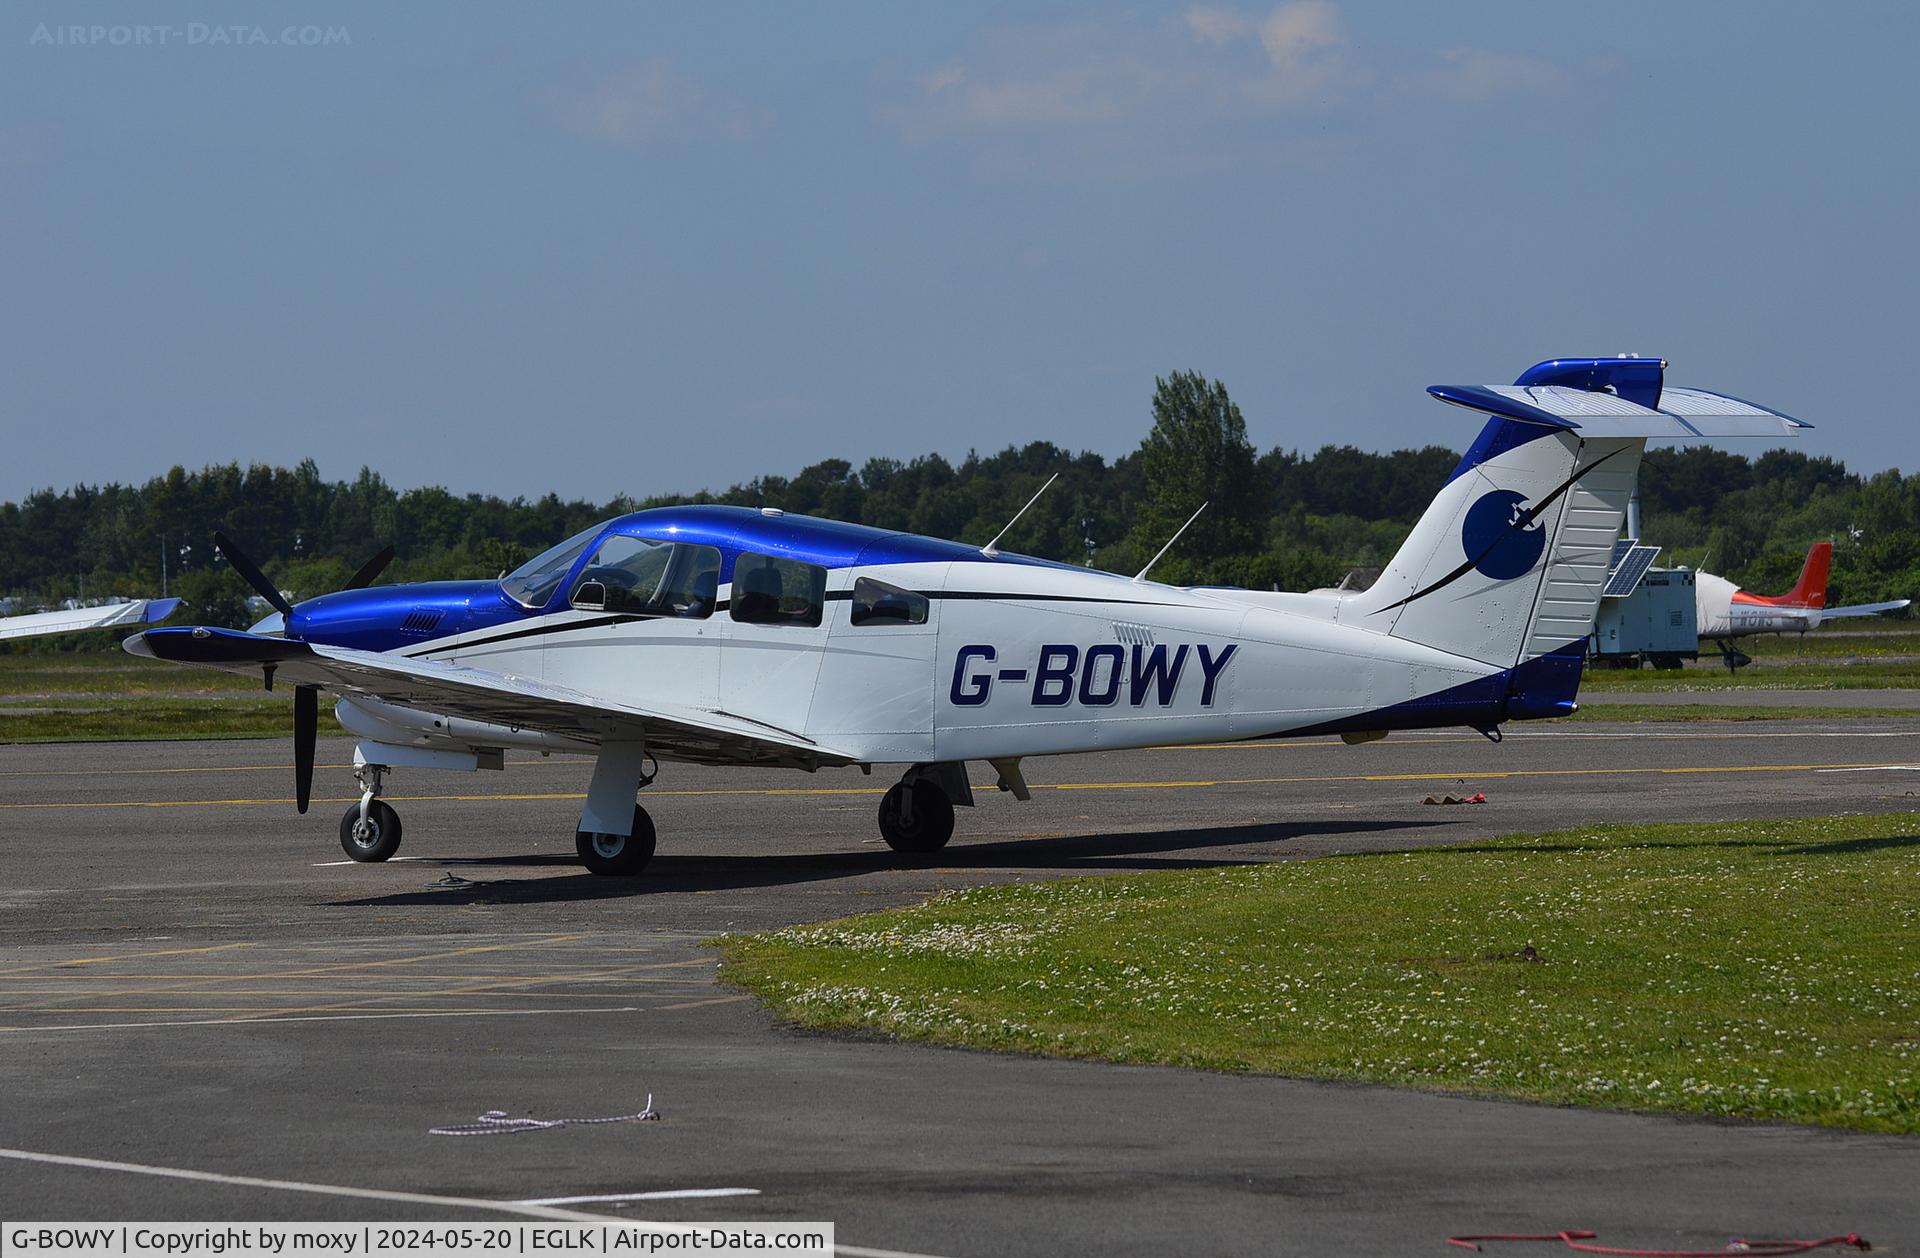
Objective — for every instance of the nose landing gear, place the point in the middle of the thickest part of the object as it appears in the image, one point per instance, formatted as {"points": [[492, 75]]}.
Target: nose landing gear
{"points": [[370, 830]]}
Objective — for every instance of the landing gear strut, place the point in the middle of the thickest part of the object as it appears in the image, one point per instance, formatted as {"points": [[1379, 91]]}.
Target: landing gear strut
{"points": [[370, 830], [619, 771]]}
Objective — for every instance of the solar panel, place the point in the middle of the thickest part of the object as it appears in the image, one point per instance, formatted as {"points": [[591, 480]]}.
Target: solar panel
{"points": [[1620, 549], [1628, 572]]}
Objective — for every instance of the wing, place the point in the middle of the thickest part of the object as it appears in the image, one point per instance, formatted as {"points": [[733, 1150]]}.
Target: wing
{"points": [[144, 611], [1864, 609], [497, 698]]}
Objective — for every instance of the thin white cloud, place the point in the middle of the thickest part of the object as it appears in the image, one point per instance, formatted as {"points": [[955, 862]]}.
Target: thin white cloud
{"points": [[1294, 35], [1059, 77], [650, 102], [1211, 24], [1117, 83], [1093, 73]]}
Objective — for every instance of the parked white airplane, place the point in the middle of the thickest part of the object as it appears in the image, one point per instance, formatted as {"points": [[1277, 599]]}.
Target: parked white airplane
{"points": [[1727, 611], [729, 635], [105, 616]]}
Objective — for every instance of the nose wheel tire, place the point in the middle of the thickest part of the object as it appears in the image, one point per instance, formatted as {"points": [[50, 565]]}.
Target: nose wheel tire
{"points": [[617, 855], [376, 838], [916, 817]]}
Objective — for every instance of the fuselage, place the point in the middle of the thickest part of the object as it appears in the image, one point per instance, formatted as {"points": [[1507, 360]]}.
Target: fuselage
{"points": [[1727, 611], [888, 647]]}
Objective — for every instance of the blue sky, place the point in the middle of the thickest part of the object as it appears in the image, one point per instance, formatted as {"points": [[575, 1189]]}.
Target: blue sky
{"points": [[637, 248]]}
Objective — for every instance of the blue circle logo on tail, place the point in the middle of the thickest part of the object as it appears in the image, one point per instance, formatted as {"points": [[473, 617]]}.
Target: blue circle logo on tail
{"points": [[1497, 543]]}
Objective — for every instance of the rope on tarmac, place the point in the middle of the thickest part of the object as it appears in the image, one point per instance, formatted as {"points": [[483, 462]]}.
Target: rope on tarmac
{"points": [[496, 1123], [1575, 1240]]}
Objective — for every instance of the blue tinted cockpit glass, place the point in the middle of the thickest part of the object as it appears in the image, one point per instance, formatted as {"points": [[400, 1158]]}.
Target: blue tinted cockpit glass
{"points": [[533, 582]]}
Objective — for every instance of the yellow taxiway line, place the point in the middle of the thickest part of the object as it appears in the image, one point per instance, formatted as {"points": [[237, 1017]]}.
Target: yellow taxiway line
{"points": [[1182, 784]]}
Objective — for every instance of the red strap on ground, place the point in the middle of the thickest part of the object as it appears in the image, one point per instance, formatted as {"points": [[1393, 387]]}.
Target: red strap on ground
{"points": [[1573, 1240]]}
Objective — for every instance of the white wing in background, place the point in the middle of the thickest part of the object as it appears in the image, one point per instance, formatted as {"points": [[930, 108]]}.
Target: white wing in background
{"points": [[143, 611]]}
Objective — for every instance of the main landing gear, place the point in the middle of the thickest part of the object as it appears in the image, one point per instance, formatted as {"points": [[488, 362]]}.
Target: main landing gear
{"points": [[916, 816], [617, 855], [611, 843]]}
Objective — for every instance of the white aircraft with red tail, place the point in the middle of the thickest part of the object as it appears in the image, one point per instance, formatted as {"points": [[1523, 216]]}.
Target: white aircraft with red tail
{"points": [[1727, 611]]}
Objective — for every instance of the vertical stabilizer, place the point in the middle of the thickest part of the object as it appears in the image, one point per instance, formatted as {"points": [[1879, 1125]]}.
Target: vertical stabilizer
{"points": [[1508, 562], [1811, 589]]}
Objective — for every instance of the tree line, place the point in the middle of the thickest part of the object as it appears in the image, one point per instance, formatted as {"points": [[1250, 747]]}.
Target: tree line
{"points": [[1279, 519]]}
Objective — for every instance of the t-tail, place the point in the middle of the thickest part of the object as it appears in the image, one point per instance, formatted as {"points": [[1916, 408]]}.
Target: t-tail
{"points": [[1811, 589], [1506, 566]]}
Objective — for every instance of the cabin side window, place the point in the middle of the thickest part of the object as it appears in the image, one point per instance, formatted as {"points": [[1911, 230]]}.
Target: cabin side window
{"points": [[768, 590], [877, 603], [637, 576]]}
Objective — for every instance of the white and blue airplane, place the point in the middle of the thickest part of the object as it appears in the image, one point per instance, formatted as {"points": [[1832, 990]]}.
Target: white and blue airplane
{"points": [[728, 635]]}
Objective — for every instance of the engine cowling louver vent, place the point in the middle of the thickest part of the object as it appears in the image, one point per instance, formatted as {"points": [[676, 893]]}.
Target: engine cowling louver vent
{"points": [[420, 621]]}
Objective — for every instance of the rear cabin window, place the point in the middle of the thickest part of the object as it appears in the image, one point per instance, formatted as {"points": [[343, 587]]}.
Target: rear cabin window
{"points": [[768, 590], [877, 603]]}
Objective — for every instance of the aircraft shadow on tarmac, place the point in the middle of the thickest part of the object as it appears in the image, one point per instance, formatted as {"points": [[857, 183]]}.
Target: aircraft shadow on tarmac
{"points": [[1116, 852]]}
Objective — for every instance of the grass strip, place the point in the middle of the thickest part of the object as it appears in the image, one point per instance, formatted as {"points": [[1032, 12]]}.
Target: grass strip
{"points": [[1647, 712], [1764, 970], [76, 719], [110, 672], [1894, 676]]}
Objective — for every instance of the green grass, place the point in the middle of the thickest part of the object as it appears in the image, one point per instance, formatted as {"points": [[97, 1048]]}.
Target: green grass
{"points": [[1759, 676], [1728, 712], [82, 719], [108, 694], [110, 671], [1865, 637], [1756, 970]]}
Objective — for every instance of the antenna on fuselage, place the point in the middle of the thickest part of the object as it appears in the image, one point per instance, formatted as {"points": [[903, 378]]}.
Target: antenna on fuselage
{"points": [[1142, 574], [989, 550]]}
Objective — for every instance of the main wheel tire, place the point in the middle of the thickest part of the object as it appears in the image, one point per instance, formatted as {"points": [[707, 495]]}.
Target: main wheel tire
{"points": [[378, 839], [617, 855], [928, 822]]}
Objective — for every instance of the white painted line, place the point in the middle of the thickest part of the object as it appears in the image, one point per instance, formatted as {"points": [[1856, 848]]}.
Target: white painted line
{"points": [[662, 1195], [391, 860], [331, 1190], [318, 1017], [527, 1209], [1876, 768]]}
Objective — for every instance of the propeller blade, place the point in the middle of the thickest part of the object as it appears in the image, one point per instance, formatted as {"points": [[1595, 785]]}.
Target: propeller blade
{"points": [[306, 728], [370, 571], [254, 577]]}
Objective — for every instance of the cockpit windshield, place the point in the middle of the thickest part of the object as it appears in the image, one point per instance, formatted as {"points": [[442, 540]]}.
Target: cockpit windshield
{"points": [[533, 582]]}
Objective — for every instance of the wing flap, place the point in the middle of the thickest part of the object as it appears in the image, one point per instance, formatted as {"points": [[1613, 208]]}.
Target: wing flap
{"points": [[483, 695]]}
